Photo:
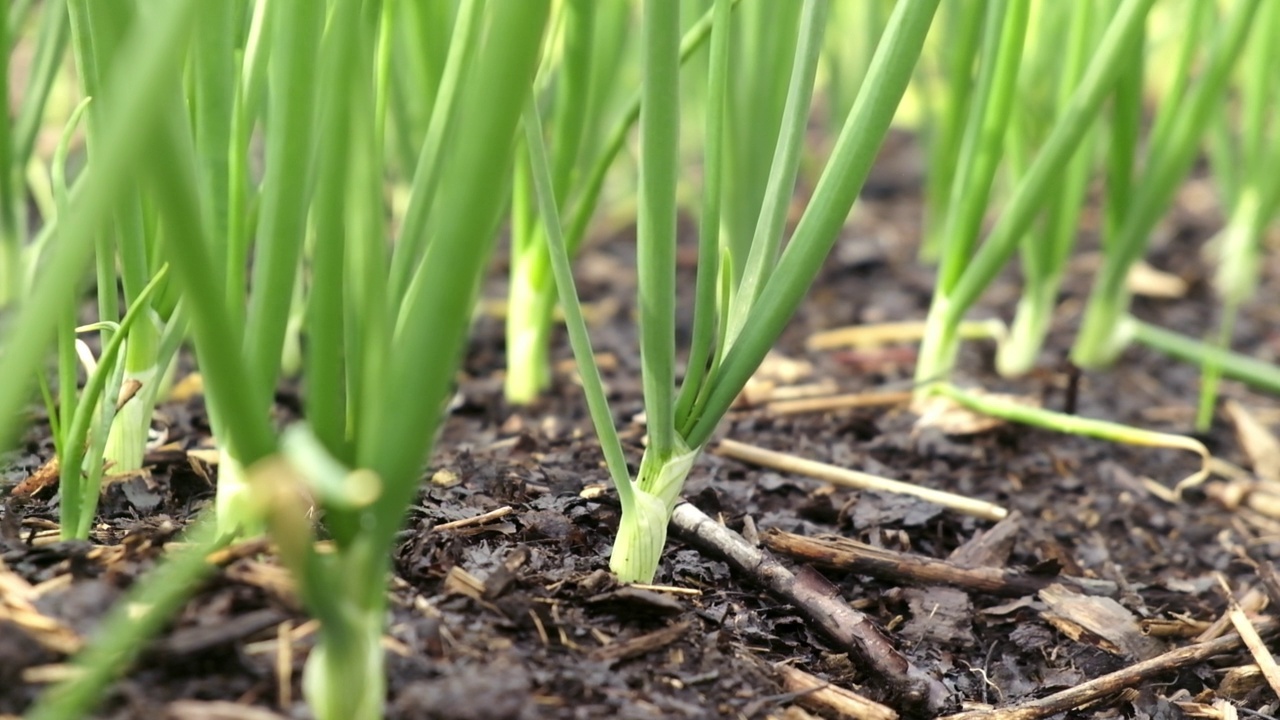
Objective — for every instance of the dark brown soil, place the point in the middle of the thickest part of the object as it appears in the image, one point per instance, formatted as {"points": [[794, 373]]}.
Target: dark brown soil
{"points": [[518, 618]]}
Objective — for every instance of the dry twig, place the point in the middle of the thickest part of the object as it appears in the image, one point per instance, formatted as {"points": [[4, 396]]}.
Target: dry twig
{"points": [[1249, 634], [1111, 683], [854, 479], [481, 519], [820, 602], [846, 401], [856, 557], [821, 696]]}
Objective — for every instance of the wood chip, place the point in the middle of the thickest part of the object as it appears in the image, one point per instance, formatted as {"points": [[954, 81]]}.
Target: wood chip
{"points": [[1180, 627], [195, 640], [1240, 682], [1145, 280], [1257, 441], [1101, 620], [989, 548], [460, 582], [1253, 600], [44, 476], [635, 647], [17, 609]]}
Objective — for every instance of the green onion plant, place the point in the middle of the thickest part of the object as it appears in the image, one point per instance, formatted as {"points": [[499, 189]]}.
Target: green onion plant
{"points": [[126, 253], [735, 322], [1243, 153], [1173, 146], [584, 77], [313, 80], [967, 267], [18, 134], [1044, 250], [581, 89]]}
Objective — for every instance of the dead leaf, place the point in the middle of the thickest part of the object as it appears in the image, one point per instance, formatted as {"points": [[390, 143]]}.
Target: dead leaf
{"points": [[954, 419]]}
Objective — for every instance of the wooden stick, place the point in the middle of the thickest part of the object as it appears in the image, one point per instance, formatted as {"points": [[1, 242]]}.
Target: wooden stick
{"points": [[821, 696], [1253, 600], [1111, 683], [481, 519], [1249, 634], [838, 402], [852, 478], [284, 666], [856, 557], [819, 601], [895, 332]]}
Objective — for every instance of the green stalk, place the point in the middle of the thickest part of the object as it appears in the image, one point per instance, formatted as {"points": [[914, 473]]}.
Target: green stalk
{"points": [[434, 151], [172, 180], [99, 35], [771, 221], [579, 338], [60, 421], [15, 18], [250, 89], [1123, 141], [82, 465], [51, 47], [1253, 198], [127, 441], [1255, 373], [286, 186], [836, 191], [213, 87], [93, 41], [421, 51], [531, 296], [1044, 256], [1087, 427], [344, 676], [432, 321], [323, 297], [1101, 338], [10, 241], [656, 223], [963, 25], [764, 49], [282, 224], [849, 42], [980, 154], [616, 139], [705, 317]]}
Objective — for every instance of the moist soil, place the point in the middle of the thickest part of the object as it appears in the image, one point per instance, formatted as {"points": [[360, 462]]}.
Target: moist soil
{"points": [[517, 617]]}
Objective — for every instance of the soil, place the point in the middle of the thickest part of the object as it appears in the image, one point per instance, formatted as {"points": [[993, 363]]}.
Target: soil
{"points": [[517, 617]]}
